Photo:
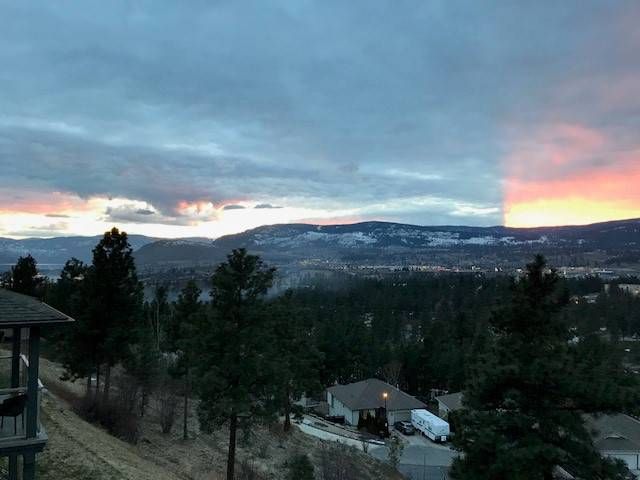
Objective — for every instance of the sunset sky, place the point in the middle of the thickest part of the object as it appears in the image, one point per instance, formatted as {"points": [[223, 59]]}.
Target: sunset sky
{"points": [[203, 118]]}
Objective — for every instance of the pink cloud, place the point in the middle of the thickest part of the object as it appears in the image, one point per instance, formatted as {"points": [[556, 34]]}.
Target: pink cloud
{"points": [[570, 174], [43, 203]]}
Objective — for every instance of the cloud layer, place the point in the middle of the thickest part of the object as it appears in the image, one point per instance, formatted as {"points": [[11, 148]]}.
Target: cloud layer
{"points": [[175, 118]]}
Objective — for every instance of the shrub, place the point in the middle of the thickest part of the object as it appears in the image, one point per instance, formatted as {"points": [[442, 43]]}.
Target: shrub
{"points": [[300, 468], [396, 447], [167, 404], [118, 415], [336, 463], [247, 471]]}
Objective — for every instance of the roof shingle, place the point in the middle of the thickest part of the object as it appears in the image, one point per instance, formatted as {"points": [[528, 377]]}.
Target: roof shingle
{"points": [[17, 310], [453, 401], [367, 395], [616, 432]]}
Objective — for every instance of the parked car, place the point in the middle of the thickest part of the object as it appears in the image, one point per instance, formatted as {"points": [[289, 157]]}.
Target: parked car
{"points": [[405, 427]]}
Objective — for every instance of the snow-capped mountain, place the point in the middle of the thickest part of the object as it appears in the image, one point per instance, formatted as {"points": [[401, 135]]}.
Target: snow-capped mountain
{"points": [[378, 241], [390, 235]]}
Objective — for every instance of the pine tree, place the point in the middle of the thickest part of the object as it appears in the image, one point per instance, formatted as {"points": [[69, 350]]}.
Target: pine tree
{"points": [[65, 293], [183, 326], [108, 323], [296, 357], [233, 375], [116, 298], [24, 276], [524, 404], [73, 345]]}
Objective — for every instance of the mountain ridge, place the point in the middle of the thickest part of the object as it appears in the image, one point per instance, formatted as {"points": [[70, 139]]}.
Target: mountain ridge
{"points": [[294, 242], [395, 242]]}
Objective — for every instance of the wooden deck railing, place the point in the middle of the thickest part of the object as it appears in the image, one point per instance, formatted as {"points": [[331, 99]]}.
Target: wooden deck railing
{"points": [[7, 432]]}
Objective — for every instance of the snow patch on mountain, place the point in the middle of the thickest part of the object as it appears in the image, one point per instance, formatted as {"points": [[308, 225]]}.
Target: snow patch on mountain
{"points": [[348, 239], [398, 235]]}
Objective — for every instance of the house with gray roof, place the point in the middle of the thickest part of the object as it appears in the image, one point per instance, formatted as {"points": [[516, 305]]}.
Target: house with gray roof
{"points": [[614, 436], [368, 397], [449, 403], [617, 436]]}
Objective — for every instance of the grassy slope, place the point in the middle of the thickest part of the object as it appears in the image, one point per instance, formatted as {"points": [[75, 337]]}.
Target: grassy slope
{"points": [[78, 450]]}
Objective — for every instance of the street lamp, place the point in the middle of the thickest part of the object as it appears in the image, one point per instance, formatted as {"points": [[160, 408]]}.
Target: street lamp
{"points": [[385, 395]]}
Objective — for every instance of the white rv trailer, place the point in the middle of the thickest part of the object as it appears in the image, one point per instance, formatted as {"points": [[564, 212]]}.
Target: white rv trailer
{"points": [[430, 425]]}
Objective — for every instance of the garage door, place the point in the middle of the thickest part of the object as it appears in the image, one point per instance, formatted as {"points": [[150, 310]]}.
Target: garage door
{"points": [[399, 416]]}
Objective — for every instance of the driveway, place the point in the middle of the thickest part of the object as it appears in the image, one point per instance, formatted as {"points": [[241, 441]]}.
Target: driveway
{"points": [[421, 458]]}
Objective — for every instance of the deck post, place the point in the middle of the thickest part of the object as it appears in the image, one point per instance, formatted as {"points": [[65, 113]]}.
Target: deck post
{"points": [[13, 467], [15, 382], [15, 358], [32, 383], [29, 467]]}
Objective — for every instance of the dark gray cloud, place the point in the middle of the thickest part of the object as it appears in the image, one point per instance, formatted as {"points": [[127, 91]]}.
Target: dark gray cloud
{"points": [[266, 206], [233, 207], [332, 105], [134, 214], [50, 230]]}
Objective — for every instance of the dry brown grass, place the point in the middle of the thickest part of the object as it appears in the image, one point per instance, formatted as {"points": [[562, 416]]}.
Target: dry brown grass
{"points": [[78, 450]]}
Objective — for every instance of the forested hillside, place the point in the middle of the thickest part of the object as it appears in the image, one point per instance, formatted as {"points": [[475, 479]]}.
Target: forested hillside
{"points": [[433, 326]]}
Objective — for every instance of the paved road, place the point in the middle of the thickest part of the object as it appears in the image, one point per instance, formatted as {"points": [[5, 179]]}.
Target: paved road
{"points": [[421, 459]]}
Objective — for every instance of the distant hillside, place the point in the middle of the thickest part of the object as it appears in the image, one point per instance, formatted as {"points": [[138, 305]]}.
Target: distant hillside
{"points": [[385, 235], [360, 242], [394, 242], [181, 251], [58, 250]]}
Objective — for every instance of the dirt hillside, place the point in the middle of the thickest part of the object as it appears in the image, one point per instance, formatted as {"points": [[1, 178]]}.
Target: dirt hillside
{"points": [[78, 450]]}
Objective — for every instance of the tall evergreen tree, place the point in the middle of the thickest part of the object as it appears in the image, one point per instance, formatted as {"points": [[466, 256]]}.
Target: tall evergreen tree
{"points": [[183, 326], [233, 375], [116, 299], [524, 403], [296, 357], [24, 276], [108, 324], [67, 295]]}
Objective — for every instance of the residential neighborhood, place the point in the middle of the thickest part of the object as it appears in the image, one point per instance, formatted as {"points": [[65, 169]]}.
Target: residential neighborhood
{"points": [[352, 406]]}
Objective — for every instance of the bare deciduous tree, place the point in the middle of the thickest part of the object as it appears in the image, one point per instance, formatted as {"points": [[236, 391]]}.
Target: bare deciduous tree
{"points": [[391, 372]]}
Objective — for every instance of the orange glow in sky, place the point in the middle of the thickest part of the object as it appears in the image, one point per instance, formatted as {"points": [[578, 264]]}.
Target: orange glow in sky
{"points": [[587, 198], [566, 211], [556, 181]]}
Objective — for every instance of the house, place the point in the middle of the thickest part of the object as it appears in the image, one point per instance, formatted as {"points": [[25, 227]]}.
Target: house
{"points": [[21, 433], [367, 398], [630, 288], [617, 436], [614, 436], [449, 403]]}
